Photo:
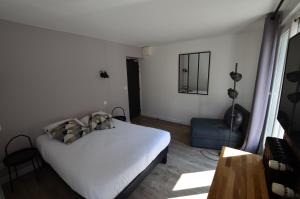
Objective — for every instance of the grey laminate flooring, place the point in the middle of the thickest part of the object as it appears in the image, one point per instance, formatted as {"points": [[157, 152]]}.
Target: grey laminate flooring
{"points": [[187, 174]]}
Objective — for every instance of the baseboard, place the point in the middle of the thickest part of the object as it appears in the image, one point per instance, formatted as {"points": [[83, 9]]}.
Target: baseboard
{"points": [[168, 119]]}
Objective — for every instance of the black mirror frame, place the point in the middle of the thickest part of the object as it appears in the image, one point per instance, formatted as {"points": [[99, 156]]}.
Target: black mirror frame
{"points": [[209, 52]]}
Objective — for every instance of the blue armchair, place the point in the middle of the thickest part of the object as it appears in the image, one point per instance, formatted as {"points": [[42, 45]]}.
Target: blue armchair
{"points": [[214, 133]]}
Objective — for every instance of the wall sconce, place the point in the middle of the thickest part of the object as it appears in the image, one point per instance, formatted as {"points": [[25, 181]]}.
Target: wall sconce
{"points": [[103, 74]]}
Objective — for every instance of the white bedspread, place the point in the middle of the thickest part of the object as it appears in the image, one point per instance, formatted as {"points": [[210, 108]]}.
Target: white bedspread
{"points": [[101, 164]]}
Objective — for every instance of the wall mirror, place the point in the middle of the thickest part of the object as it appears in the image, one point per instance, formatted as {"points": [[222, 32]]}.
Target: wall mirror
{"points": [[194, 73]]}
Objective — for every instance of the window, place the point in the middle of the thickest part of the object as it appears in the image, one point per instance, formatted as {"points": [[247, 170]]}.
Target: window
{"points": [[273, 127]]}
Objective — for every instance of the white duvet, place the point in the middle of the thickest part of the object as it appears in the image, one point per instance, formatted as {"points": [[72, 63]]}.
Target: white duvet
{"points": [[101, 164]]}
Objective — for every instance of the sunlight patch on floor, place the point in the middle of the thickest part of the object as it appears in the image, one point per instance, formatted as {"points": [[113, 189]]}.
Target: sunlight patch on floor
{"points": [[196, 196], [230, 152], [194, 180]]}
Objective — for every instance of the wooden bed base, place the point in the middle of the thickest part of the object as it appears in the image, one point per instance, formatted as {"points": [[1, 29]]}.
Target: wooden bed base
{"points": [[161, 158]]}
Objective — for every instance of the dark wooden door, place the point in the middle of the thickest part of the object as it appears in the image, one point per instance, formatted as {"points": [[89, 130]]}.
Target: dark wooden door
{"points": [[133, 87]]}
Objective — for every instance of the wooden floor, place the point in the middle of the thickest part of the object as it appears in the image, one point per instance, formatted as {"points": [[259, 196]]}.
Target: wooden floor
{"points": [[47, 185], [160, 183], [179, 132]]}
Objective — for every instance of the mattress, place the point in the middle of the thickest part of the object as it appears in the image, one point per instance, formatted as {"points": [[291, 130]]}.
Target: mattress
{"points": [[101, 164]]}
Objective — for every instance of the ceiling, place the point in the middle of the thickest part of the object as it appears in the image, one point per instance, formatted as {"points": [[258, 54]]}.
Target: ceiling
{"points": [[138, 22]]}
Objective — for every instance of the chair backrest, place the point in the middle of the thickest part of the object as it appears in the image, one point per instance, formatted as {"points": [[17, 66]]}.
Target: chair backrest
{"points": [[118, 107], [14, 138]]}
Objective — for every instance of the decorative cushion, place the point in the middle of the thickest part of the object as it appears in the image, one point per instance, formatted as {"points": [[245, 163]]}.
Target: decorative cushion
{"points": [[67, 131], [85, 119], [54, 125], [98, 121], [58, 132]]}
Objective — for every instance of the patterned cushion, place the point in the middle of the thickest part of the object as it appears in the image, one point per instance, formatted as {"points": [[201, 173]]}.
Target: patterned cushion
{"points": [[100, 121], [58, 132], [50, 127], [68, 131]]}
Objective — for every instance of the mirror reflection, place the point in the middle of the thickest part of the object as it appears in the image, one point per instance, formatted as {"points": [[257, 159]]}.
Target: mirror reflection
{"points": [[194, 73]]}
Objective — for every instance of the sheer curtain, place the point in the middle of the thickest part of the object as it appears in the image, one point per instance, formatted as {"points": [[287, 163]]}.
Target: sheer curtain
{"points": [[273, 128], [263, 83]]}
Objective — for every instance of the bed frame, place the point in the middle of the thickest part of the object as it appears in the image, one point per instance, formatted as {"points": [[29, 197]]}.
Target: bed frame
{"points": [[161, 158]]}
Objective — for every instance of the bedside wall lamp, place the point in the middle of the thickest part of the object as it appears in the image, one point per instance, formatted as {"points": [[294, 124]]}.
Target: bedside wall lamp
{"points": [[103, 74]]}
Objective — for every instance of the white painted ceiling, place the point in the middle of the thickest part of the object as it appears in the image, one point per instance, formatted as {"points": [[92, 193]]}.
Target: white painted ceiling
{"points": [[138, 22]]}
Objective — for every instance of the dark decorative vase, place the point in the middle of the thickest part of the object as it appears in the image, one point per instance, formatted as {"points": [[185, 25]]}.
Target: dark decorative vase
{"points": [[237, 118]]}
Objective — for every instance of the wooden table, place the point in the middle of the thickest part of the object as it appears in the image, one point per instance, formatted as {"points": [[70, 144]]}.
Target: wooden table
{"points": [[239, 175]]}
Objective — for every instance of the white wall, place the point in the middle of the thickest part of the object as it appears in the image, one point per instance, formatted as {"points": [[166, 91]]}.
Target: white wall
{"points": [[47, 76], [160, 76]]}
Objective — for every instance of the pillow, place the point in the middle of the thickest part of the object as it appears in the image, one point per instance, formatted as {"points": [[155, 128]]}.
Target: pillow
{"points": [[101, 121], [67, 131], [58, 132], [98, 121], [74, 131], [54, 125], [85, 119]]}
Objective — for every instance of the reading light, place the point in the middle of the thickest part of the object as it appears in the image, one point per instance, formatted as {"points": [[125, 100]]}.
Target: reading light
{"points": [[103, 74]]}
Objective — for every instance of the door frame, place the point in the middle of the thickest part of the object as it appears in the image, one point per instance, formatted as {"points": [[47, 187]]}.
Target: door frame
{"points": [[140, 83]]}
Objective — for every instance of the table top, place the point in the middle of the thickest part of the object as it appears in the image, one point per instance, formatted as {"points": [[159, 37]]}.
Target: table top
{"points": [[20, 156], [238, 175]]}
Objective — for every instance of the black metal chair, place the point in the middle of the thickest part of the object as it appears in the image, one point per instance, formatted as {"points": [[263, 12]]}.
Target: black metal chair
{"points": [[119, 117], [20, 156]]}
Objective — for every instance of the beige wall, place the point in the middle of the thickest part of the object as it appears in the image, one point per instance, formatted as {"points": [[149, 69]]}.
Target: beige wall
{"points": [[47, 76]]}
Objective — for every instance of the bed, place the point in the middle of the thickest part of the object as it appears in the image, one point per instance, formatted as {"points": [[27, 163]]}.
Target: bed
{"points": [[107, 163]]}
